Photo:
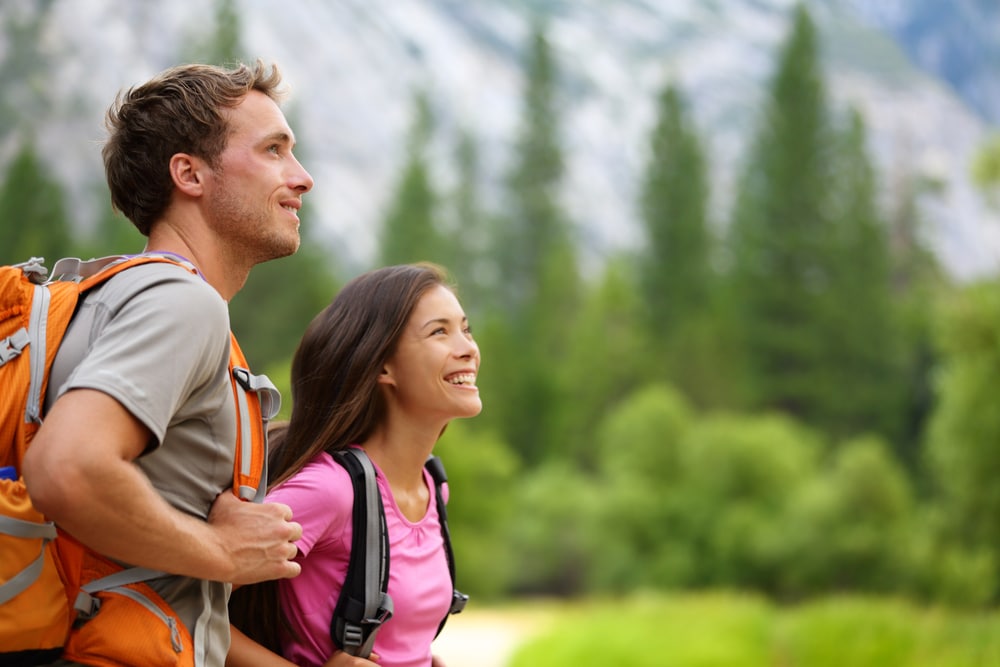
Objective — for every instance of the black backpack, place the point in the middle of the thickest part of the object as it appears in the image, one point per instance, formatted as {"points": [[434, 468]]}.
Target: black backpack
{"points": [[364, 605]]}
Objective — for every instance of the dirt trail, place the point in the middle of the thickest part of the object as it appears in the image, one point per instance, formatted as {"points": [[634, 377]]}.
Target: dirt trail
{"points": [[486, 638]]}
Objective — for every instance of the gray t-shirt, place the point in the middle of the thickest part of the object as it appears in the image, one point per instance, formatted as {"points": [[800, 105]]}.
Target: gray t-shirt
{"points": [[156, 339]]}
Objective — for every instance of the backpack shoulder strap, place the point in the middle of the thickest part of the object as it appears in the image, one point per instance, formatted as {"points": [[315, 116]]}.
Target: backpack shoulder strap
{"points": [[458, 599], [257, 402], [364, 603]]}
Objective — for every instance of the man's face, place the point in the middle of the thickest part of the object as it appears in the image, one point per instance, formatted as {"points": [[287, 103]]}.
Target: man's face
{"points": [[255, 192]]}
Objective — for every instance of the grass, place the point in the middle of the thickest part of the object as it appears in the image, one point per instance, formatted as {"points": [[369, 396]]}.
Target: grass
{"points": [[733, 630]]}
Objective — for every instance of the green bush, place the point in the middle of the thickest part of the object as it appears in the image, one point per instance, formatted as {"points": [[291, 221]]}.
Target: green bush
{"points": [[734, 630], [481, 471]]}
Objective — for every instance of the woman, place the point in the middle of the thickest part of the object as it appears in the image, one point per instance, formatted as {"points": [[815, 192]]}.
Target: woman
{"points": [[385, 367]]}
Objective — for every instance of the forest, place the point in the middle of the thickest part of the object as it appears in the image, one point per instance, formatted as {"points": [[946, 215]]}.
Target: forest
{"points": [[794, 401]]}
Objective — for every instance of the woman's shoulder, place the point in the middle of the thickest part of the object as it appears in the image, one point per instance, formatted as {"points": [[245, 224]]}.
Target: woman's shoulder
{"points": [[322, 477]]}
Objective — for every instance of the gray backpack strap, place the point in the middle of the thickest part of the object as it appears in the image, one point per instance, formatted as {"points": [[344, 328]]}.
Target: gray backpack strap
{"points": [[87, 605], [364, 605], [270, 404], [27, 530]]}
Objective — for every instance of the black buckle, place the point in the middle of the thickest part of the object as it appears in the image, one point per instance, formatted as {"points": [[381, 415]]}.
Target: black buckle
{"points": [[458, 602]]}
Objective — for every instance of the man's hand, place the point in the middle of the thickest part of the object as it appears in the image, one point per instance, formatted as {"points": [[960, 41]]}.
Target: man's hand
{"points": [[259, 538]]}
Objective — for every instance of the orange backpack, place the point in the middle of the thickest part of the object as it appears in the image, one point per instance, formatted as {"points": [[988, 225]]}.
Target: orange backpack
{"points": [[57, 598]]}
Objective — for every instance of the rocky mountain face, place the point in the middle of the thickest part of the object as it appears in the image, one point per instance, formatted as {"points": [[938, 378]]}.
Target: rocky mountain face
{"points": [[911, 67]]}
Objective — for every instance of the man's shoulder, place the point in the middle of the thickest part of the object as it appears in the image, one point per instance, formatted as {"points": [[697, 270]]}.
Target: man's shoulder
{"points": [[163, 283]]}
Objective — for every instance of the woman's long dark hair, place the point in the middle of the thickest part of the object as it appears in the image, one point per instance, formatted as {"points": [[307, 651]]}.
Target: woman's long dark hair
{"points": [[335, 400]]}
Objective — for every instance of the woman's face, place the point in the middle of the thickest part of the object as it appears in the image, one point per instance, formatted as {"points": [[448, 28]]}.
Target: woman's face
{"points": [[433, 370]]}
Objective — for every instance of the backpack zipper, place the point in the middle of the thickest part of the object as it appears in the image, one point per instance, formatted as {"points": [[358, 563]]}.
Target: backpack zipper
{"points": [[169, 621]]}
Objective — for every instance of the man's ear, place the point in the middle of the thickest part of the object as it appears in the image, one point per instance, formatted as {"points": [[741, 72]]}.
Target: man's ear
{"points": [[186, 173]]}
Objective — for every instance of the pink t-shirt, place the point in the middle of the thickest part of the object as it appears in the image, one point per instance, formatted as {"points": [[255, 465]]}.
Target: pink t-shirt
{"points": [[322, 499]]}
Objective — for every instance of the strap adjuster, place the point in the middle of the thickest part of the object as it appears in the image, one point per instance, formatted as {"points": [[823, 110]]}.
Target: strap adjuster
{"points": [[458, 602]]}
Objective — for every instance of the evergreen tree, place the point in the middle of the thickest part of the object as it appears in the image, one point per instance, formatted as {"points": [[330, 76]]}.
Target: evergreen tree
{"points": [[810, 269], [113, 233], [464, 237], [534, 232], [780, 275], [409, 231], [606, 359], [537, 273], [281, 296], [962, 455], [279, 300], [222, 46], [677, 280], [918, 281], [33, 212], [24, 68], [867, 376], [674, 197]]}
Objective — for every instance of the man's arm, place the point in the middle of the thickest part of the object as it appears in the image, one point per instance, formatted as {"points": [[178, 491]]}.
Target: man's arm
{"points": [[80, 473]]}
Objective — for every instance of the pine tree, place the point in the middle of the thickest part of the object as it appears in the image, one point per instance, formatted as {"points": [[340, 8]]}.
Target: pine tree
{"points": [[33, 212], [222, 46], [409, 231], [780, 274], [810, 274], [280, 297], [679, 286], [465, 235], [538, 280], [534, 232], [25, 67], [606, 359], [867, 374], [674, 198]]}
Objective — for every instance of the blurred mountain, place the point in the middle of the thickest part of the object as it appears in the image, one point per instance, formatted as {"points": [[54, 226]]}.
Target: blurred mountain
{"points": [[957, 41], [923, 73]]}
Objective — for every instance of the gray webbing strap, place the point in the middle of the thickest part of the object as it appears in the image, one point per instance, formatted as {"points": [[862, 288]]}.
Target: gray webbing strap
{"points": [[13, 345], [27, 530], [270, 404], [88, 605], [374, 598]]}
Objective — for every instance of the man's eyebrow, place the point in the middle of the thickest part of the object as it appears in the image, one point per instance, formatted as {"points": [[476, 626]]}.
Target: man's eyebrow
{"points": [[280, 137]]}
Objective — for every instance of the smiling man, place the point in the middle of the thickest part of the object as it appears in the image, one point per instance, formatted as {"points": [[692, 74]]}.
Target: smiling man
{"points": [[136, 451]]}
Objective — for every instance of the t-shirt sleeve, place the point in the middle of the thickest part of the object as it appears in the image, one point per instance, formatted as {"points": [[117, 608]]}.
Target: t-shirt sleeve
{"points": [[322, 500], [163, 336]]}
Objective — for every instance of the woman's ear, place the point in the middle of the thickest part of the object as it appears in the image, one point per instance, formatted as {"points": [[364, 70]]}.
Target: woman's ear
{"points": [[386, 377]]}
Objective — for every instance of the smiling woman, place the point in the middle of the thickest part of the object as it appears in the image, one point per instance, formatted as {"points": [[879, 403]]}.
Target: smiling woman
{"points": [[384, 368]]}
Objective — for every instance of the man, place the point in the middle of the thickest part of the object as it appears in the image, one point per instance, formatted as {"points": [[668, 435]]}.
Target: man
{"points": [[136, 452]]}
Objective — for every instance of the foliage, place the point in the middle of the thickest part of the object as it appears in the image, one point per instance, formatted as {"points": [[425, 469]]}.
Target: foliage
{"points": [[465, 236], [640, 520], [850, 528], [553, 538], [34, 213], [537, 289], [409, 231], [610, 320], [675, 265], [278, 301], [735, 630], [986, 169], [642, 428], [810, 273], [482, 483], [965, 426]]}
